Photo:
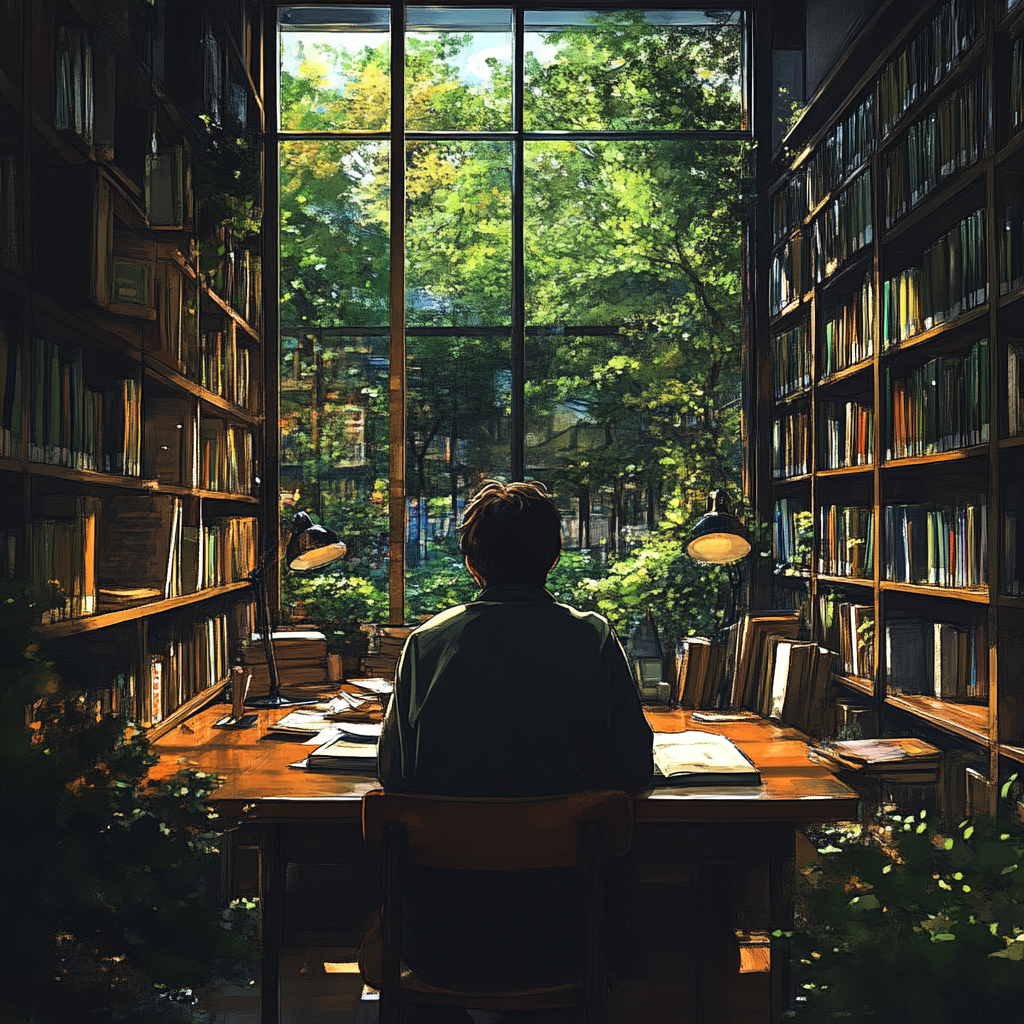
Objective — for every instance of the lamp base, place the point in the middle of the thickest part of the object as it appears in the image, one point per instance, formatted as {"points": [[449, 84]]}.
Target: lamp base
{"points": [[280, 700]]}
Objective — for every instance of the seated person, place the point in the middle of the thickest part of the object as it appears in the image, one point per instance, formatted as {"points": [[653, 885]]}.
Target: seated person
{"points": [[512, 695]]}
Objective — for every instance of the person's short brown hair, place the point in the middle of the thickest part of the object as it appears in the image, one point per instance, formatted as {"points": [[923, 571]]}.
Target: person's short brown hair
{"points": [[511, 532]]}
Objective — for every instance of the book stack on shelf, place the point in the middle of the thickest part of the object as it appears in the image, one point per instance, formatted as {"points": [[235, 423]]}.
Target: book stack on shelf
{"points": [[127, 451], [892, 479]]}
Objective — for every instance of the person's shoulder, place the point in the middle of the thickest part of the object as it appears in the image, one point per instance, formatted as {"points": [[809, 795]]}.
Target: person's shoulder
{"points": [[441, 621], [592, 620]]}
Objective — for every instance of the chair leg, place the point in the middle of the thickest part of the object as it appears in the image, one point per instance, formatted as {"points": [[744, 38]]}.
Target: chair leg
{"points": [[595, 968], [391, 924]]}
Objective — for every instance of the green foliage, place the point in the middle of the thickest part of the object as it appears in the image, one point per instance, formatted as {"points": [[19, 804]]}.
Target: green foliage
{"points": [[910, 920], [105, 913]]}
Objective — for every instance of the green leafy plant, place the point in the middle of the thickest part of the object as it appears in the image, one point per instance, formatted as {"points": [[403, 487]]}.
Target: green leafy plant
{"points": [[106, 913], [909, 919]]}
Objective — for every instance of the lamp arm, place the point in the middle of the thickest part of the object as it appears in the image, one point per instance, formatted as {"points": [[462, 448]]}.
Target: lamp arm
{"points": [[258, 581]]}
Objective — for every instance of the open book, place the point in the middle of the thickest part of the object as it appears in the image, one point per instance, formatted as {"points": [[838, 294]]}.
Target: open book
{"points": [[694, 758]]}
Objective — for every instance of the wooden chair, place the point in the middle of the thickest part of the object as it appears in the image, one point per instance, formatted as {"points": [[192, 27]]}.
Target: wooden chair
{"points": [[578, 830]]}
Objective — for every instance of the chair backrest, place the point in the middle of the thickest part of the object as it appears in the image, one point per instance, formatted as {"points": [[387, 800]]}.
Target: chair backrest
{"points": [[501, 834]]}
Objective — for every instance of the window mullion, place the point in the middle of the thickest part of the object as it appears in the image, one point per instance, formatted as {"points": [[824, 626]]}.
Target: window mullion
{"points": [[396, 347], [518, 403]]}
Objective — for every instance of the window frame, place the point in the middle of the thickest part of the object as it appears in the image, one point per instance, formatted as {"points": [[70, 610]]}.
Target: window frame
{"points": [[397, 330]]}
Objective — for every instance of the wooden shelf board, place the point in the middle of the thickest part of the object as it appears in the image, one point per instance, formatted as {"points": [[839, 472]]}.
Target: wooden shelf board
{"points": [[1012, 442], [1012, 750], [978, 595], [1011, 297], [11, 466], [91, 476], [158, 368], [846, 470], [927, 208], [854, 263], [776, 318], [1013, 19], [1010, 601], [799, 479], [197, 492], [229, 311], [803, 575], [93, 622], [846, 373], [793, 398], [865, 686], [846, 581], [964, 320], [957, 455], [89, 322], [1012, 149], [967, 720]]}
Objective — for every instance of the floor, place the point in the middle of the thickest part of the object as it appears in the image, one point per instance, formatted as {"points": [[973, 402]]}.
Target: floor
{"points": [[319, 984]]}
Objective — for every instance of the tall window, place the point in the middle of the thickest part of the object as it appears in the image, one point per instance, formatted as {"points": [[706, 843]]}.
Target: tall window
{"points": [[510, 248]]}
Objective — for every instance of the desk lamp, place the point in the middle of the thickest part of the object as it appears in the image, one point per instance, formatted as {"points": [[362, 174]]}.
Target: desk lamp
{"points": [[310, 547], [719, 538]]}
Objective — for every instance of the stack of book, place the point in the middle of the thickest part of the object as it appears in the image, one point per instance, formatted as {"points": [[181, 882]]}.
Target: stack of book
{"points": [[940, 406], [947, 140], [792, 535], [905, 760], [699, 666], [928, 58], [847, 541], [343, 754], [848, 433], [849, 630], [1011, 247], [791, 361], [789, 208], [1015, 387], [843, 228], [944, 660], [796, 677], [944, 547], [63, 538], [384, 660], [791, 445], [788, 274], [301, 658], [849, 329], [749, 683], [843, 150], [225, 457]]}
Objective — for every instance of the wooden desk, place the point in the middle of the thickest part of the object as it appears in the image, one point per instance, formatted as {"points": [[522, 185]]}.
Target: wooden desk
{"points": [[302, 816]]}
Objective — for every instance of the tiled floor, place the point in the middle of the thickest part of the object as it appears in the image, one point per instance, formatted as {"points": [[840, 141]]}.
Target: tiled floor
{"points": [[327, 906]]}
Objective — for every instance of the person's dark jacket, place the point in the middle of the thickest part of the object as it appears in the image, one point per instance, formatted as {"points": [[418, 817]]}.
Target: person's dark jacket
{"points": [[511, 695]]}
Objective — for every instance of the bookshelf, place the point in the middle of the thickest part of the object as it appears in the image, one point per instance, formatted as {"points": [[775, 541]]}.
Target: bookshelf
{"points": [[131, 338], [890, 407]]}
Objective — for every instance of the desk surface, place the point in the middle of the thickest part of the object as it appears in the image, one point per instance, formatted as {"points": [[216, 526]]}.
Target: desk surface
{"points": [[254, 765]]}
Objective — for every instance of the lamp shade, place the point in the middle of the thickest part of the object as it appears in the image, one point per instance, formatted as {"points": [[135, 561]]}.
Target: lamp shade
{"points": [[719, 538], [311, 545]]}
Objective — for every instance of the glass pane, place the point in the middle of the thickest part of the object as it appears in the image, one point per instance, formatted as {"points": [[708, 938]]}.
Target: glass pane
{"points": [[334, 234], [459, 434], [335, 69], [334, 464], [458, 69], [459, 234], [637, 420], [633, 70], [617, 231]]}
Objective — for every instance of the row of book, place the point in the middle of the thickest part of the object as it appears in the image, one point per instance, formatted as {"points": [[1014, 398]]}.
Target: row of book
{"points": [[10, 210], [237, 273], [952, 280], [1013, 552], [225, 457], [788, 273], [1011, 247], [849, 329], [64, 566], [197, 657], [848, 630], [792, 535], [177, 300], [74, 97], [227, 550], [168, 187], [789, 207], [939, 407], [1017, 85], [847, 436], [791, 444], [10, 389], [224, 366], [929, 546], [944, 660], [791, 361], [77, 426], [1014, 389], [948, 140], [846, 541], [843, 228], [843, 150], [927, 59]]}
